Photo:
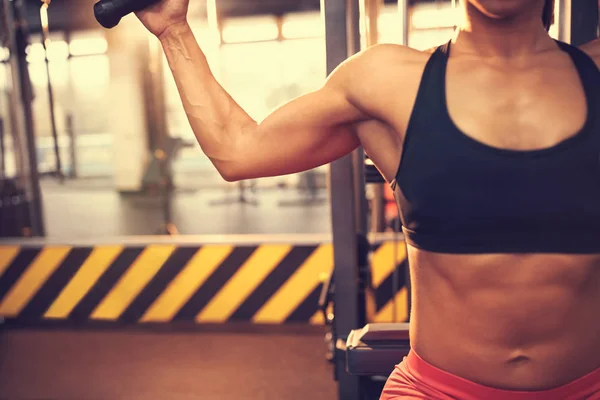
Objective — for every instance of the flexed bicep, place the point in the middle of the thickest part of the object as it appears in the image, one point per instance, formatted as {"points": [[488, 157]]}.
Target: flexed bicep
{"points": [[310, 131], [317, 128], [307, 132]]}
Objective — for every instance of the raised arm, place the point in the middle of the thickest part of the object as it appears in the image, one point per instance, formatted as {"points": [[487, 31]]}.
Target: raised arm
{"points": [[307, 132]]}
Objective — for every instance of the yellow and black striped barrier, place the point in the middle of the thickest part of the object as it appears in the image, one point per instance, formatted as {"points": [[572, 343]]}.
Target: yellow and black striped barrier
{"points": [[268, 283]]}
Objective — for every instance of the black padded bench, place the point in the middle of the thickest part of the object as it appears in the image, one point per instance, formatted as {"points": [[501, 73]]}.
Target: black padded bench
{"points": [[376, 349]]}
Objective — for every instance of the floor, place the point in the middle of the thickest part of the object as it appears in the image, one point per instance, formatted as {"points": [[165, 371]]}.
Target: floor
{"points": [[121, 365], [84, 210]]}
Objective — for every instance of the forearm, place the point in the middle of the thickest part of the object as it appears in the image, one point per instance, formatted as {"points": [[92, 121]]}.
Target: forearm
{"points": [[304, 133], [216, 119]]}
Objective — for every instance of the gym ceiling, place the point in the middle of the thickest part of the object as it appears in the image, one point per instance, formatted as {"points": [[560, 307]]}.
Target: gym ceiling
{"points": [[71, 15]]}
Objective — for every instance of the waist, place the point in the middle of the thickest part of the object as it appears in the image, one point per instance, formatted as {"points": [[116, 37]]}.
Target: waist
{"points": [[442, 384], [519, 240]]}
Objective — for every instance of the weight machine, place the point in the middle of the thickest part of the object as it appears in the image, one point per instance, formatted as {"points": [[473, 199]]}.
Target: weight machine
{"points": [[20, 196], [349, 284]]}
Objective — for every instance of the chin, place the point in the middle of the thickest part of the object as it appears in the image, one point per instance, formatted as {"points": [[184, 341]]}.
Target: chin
{"points": [[500, 9]]}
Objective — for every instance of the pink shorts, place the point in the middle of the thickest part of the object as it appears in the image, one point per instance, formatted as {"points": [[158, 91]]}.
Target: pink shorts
{"points": [[414, 378]]}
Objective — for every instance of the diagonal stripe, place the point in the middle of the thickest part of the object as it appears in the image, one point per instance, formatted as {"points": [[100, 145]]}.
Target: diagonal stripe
{"points": [[386, 314], [105, 283], [91, 270], [238, 288], [214, 283], [171, 268], [132, 282], [7, 256], [317, 318], [263, 292], [384, 292], [307, 308], [52, 287], [297, 288], [32, 279], [382, 261], [196, 272], [17, 267]]}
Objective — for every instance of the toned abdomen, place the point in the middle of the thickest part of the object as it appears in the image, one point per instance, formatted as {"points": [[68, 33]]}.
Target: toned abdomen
{"points": [[516, 322]]}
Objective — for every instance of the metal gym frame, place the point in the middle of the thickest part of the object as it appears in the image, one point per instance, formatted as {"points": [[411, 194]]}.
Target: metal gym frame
{"points": [[342, 37], [578, 20], [577, 25], [348, 202], [14, 12]]}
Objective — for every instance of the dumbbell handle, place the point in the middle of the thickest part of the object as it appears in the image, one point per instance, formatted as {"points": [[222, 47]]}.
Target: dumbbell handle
{"points": [[109, 12]]}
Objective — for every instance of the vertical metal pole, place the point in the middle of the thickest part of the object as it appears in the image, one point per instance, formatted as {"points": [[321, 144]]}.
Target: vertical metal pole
{"points": [[45, 43], [341, 22], [361, 206], [577, 21], [563, 18], [404, 21], [59, 171], [358, 157], [584, 21], [353, 26], [72, 146], [156, 121], [2, 150], [404, 18], [15, 14], [372, 8], [377, 222]]}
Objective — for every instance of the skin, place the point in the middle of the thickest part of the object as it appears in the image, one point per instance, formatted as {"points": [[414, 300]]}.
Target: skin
{"points": [[509, 321]]}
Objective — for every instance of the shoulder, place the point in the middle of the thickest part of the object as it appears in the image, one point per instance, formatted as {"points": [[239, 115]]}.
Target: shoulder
{"points": [[379, 73], [377, 62], [386, 57], [593, 50]]}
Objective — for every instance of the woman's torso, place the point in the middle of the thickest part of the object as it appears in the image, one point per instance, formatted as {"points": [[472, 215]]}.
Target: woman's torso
{"points": [[515, 322], [523, 320]]}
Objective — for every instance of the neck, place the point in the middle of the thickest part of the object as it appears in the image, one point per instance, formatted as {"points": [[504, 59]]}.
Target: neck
{"points": [[507, 38]]}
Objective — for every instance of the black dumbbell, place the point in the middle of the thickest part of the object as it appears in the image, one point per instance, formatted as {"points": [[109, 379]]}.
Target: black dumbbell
{"points": [[109, 12]]}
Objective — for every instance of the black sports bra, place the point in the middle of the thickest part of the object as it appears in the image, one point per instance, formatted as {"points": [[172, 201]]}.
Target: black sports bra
{"points": [[458, 195]]}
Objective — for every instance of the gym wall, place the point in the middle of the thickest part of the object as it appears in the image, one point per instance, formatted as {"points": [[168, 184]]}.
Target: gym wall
{"points": [[197, 281]]}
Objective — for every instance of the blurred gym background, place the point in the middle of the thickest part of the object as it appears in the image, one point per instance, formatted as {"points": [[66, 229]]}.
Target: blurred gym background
{"points": [[113, 148], [99, 165]]}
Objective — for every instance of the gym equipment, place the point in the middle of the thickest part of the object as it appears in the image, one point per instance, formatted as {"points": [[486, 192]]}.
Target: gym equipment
{"points": [[309, 187], [2, 151], [372, 354], [45, 42], [372, 174], [348, 206], [241, 197], [376, 349], [158, 179], [325, 302], [375, 194], [15, 220], [108, 13], [582, 20], [351, 274], [15, 36], [72, 146]]}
